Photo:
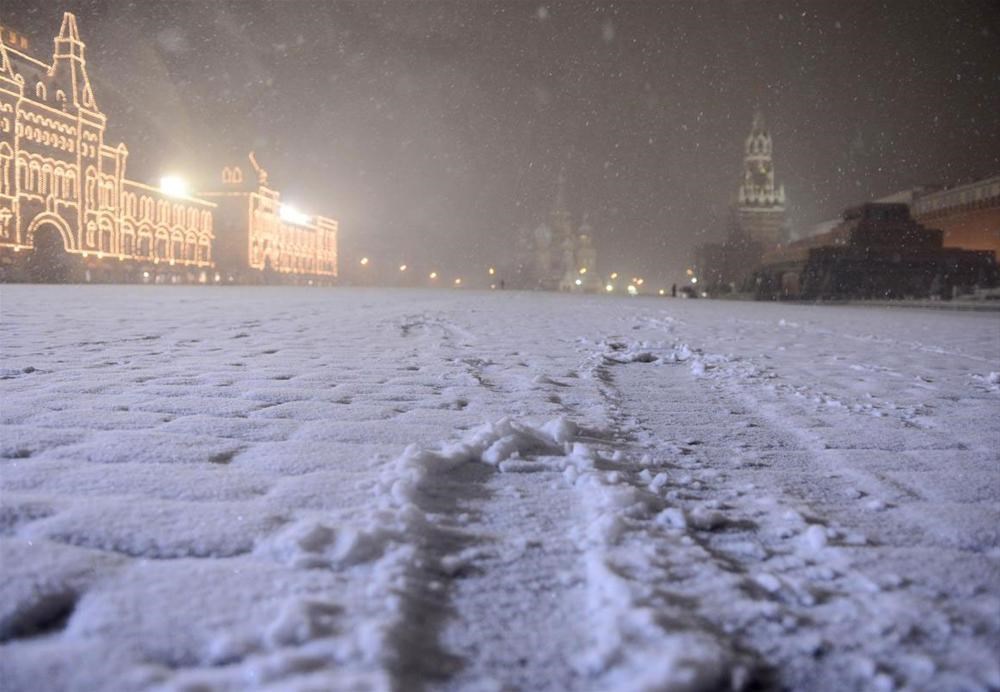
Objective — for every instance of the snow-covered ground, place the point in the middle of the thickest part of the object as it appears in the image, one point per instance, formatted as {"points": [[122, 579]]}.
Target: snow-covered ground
{"points": [[344, 489]]}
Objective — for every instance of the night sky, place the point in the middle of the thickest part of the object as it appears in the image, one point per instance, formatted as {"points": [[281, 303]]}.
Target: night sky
{"points": [[435, 130]]}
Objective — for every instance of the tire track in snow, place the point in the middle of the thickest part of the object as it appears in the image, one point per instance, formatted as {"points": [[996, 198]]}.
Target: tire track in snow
{"points": [[796, 596]]}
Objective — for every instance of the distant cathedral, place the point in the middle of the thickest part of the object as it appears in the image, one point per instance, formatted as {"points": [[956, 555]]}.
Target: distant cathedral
{"points": [[760, 206], [554, 256]]}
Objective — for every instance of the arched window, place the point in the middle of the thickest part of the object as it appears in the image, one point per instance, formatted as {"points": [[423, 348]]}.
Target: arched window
{"points": [[106, 236], [145, 248], [91, 187], [34, 177], [6, 156], [40, 93], [177, 245], [128, 240], [161, 248]]}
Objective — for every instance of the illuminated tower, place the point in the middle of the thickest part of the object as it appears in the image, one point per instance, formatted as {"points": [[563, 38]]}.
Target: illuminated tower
{"points": [[760, 204]]}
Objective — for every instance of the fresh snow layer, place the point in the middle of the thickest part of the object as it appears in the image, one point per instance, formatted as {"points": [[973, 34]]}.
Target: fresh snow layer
{"points": [[295, 489]]}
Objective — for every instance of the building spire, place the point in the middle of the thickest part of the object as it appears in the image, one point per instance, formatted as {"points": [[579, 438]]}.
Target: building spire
{"points": [[6, 69], [68, 30], [69, 65], [560, 203]]}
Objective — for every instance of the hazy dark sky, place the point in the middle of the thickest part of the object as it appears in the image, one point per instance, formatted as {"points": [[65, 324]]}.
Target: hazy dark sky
{"points": [[434, 130]]}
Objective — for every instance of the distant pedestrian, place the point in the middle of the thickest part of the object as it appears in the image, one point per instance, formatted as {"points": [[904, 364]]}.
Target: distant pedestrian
{"points": [[501, 284], [673, 291]]}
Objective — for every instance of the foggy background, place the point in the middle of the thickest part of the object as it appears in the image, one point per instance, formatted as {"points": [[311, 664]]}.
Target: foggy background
{"points": [[434, 130]]}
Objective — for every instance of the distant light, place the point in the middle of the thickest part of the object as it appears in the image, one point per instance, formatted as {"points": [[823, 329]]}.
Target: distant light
{"points": [[640, 282], [492, 271], [690, 272], [609, 288], [579, 282], [583, 270], [493, 287], [17, 248], [434, 275], [364, 261], [694, 279], [290, 214], [663, 292], [145, 275], [458, 282], [402, 267], [632, 290], [614, 275], [174, 186]]}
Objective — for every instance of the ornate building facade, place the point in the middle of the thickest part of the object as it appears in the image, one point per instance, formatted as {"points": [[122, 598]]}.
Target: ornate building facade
{"points": [[555, 257], [64, 193], [260, 239]]}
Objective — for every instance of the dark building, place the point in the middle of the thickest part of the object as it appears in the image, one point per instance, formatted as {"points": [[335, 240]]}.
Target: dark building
{"points": [[878, 251]]}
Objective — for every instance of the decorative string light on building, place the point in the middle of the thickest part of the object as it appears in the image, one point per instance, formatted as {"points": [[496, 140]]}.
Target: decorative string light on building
{"points": [[262, 237], [64, 194], [63, 190]]}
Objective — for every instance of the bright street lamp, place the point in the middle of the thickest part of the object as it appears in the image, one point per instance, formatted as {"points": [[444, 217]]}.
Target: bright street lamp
{"points": [[174, 186], [290, 214]]}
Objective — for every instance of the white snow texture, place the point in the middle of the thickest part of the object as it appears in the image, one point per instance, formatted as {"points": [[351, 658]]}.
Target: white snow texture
{"points": [[292, 489]]}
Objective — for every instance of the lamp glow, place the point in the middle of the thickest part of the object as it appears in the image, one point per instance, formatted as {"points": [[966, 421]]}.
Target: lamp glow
{"points": [[174, 186], [290, 214], [579, 282], [434, 275], [364, 261], [609, 288], [402, 267]]}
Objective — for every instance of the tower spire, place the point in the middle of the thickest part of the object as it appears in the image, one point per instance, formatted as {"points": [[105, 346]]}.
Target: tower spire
{"points": [[6, 69], [69, 64], [68, 30]]}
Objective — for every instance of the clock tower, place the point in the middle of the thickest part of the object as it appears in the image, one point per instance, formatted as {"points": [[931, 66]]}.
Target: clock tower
{"points": [[760, 207]]}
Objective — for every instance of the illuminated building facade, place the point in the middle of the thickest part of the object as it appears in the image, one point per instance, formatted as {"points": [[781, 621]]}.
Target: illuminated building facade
{"points": [[64, 198], [760, 205], [261, 239], [968, 214]]}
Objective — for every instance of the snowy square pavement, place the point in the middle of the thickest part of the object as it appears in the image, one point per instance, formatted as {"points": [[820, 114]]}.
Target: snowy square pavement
{"points": [[294, 489]]}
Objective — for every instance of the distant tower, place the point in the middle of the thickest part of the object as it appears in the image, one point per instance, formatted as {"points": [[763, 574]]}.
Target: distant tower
{"points": [[760, 206], [561, 222]]}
